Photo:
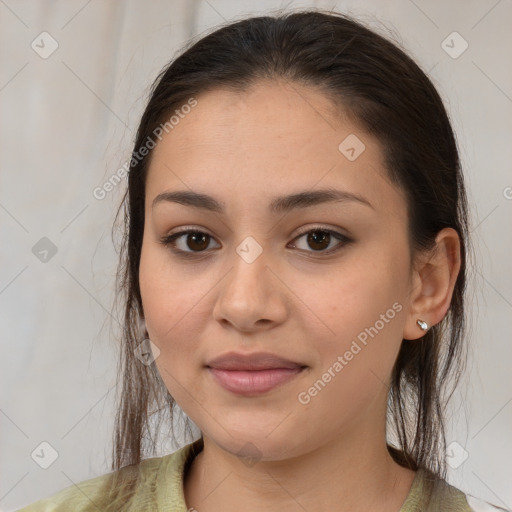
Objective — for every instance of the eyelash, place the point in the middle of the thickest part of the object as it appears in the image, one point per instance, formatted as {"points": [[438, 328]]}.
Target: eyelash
{"points": [[170, 240]]}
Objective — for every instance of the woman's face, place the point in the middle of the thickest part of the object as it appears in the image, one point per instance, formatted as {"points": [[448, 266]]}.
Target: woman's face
{"points": [[335, 300]]}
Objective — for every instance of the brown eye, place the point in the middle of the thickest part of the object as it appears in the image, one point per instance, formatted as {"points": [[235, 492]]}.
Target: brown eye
{"points": [[321, 240], [189, 241], [197, 241], [318, 240]]}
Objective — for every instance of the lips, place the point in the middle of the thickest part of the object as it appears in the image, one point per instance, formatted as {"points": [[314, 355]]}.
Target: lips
{"points": [[257, 361], [252, 374]]}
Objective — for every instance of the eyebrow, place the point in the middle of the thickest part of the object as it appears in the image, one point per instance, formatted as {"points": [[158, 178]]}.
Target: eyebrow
{"points": [[280, 204]]}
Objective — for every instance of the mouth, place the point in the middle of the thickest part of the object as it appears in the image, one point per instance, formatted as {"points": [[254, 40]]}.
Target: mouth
{"points": [[253, 382], [253, 374]]}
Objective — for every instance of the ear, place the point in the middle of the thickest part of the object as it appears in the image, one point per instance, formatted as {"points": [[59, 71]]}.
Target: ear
{"points": [[433, 279]]}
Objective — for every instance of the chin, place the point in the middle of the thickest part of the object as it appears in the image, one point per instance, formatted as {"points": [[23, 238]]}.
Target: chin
{"points": [[254, 444]]}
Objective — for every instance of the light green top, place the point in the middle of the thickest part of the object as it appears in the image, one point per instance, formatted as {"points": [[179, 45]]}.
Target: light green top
{"points": [[160, 488]]}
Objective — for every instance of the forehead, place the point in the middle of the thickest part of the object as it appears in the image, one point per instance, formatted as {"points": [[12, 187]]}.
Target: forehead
{"points": [[274, 137], [266, 114]]}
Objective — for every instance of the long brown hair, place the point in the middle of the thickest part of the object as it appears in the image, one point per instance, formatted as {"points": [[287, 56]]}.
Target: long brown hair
{"points": [[387, 94]]}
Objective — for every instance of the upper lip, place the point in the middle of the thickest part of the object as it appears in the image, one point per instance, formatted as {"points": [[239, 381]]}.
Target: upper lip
{"points": [[257, 361]]}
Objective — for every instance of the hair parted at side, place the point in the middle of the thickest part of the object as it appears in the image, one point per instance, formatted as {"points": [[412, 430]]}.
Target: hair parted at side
{"points": [[382, 89]]}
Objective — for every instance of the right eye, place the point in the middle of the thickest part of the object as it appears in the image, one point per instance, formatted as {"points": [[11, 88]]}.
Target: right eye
{"points": [[196, 241]]}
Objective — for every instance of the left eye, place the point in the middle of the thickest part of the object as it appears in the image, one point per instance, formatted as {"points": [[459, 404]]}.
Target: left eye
{"points": [[320, 239]]}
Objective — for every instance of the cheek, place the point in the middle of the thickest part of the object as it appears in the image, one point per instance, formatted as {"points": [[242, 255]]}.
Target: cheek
{"points": [[170, 302], [360, 310], [175, 307], [175, 303], [356, 354], [355, 293]]}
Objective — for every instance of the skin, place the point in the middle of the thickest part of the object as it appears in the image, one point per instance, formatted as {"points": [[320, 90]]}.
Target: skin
{"points": [[244, 149]]}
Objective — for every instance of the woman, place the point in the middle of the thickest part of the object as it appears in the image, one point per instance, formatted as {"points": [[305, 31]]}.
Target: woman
{"points": [[293, 269]]}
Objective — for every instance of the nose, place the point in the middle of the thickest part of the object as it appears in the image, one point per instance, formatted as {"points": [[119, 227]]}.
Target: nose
{"points": [[251, 296]]}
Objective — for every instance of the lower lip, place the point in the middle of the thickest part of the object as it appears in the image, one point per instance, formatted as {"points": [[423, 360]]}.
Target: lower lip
{"points": [[253, 382]]}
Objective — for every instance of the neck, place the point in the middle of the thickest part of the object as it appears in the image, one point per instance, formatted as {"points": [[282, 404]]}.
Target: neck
{"points": [[346, 473]]}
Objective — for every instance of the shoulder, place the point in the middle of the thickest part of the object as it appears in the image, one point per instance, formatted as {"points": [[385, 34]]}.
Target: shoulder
{"points": [[145, 486], [107, 492], [430, 493]]}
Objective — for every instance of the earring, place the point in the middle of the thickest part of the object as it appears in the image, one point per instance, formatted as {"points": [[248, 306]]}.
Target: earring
{"points": [[423, 325]]}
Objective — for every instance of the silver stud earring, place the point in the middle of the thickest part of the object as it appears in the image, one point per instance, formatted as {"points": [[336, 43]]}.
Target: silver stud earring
{"points": [[423, 325]]}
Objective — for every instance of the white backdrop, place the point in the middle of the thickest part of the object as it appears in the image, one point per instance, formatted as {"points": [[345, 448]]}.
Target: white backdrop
{"points": [[67, 124]]}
